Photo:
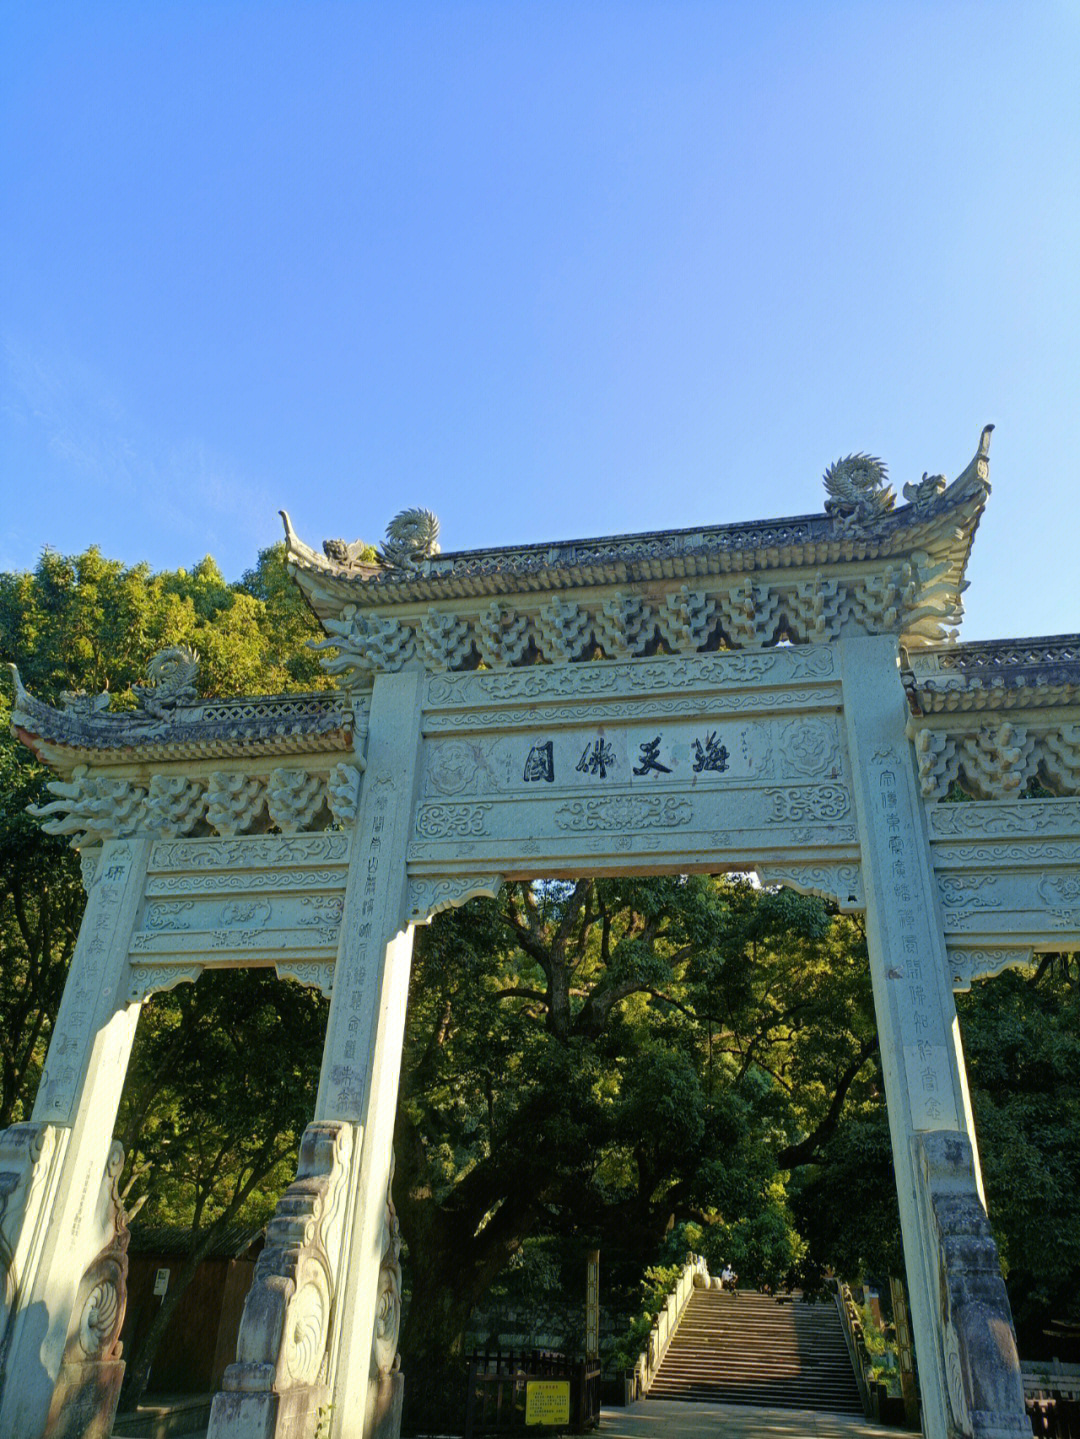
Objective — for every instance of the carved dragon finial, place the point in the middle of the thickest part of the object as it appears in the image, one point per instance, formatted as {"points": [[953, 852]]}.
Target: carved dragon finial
{"points": [[926, 490], [172, 681], [411, 537], [357, 555], [858, 489]]}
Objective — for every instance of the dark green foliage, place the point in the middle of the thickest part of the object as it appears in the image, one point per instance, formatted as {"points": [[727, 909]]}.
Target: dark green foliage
{"points": [[1022, 1037], [222, 1076], [597, 1062]]}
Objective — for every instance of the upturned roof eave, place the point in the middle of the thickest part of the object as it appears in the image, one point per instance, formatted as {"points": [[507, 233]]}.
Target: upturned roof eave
{"points": [[64, 739], [1036, 672], [944, 530]]}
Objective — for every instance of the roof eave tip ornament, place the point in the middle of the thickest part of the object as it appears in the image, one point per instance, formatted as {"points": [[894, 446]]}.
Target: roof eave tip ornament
{"points": [[296, 552], [976, 477], [16, 679], [411, 538]]}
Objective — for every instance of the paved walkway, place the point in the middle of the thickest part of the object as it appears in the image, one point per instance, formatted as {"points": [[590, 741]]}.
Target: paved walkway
{"points": [[673, 1419]]}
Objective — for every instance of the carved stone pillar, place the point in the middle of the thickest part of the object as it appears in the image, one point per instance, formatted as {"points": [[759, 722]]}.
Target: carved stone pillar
{"points": [[88, 1388], [348, 1379], [923, 1064], [55, 1212]]}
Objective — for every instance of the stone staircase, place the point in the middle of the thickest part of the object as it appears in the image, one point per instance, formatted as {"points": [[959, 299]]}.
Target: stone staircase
{"points": [[753, 1349]]}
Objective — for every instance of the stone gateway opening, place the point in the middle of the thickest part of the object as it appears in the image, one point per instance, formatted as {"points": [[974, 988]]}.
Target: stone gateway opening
{"points": [[787, 696]]}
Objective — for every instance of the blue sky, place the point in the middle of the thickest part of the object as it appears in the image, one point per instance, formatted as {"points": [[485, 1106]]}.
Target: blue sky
{"points": [[549, 269]]}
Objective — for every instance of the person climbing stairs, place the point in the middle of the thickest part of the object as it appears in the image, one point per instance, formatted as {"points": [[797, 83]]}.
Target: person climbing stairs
{"points": [[755, 1349]]}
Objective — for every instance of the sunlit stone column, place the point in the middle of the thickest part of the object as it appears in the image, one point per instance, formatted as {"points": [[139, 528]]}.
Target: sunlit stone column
{"points": [[58, 1210], [318, 1335], [968, 1366]]}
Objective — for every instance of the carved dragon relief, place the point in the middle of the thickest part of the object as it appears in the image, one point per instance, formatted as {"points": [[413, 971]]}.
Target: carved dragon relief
{"points": [[858, 490]]}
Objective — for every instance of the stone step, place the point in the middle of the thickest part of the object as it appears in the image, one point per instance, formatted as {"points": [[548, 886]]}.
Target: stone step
{"points": [[752, 1349]]}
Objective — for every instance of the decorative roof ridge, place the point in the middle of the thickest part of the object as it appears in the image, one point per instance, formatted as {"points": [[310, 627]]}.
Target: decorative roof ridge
{"points": [[929, 500], [285, 723], [1037, 672], [976, 656]]}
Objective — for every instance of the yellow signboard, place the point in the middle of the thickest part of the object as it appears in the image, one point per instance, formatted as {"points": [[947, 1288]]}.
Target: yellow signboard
{"points": [[547, 1401]]}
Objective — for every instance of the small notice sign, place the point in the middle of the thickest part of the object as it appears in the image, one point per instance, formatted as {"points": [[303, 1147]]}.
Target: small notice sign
{"points": [[161, 1282], [547, 1401]]}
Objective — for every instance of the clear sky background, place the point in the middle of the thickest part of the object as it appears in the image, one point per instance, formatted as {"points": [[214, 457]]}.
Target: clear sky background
{"points": [[551, 268]]}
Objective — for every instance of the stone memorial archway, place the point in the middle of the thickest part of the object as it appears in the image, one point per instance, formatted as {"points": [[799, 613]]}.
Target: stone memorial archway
{"points": [[787, 696]]}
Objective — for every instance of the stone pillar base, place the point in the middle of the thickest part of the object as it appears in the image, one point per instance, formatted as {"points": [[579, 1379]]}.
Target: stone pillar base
{"points": [[84, 1400], [385, 1396], [293, 1414]]}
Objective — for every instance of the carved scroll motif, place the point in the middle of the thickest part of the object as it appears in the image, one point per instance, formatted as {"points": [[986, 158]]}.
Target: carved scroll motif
{"points": [[625, 813], [827, 802], [429, 896], [289, 1312], [839, 882], [446, 821]]}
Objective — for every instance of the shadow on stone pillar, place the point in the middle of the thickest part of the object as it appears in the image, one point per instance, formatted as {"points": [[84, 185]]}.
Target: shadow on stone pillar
{"points": [[982, 1367], [92, 1371], [386, 1387], [277, 1389]]}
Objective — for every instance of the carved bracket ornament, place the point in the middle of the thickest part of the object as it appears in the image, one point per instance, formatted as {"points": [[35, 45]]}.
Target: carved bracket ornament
{"points": [[431, 894], [839, 882], [997, 760], [968, 965], [90, 808]]}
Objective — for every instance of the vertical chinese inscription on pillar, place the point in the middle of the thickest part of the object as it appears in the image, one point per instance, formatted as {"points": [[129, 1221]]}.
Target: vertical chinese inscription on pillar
{"points": [[79, 1018], [910, 972], [347, 1071]]}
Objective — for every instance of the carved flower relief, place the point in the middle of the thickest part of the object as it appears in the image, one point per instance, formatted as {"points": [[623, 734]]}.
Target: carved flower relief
{"points": [[452, 769], [811, 746]]}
